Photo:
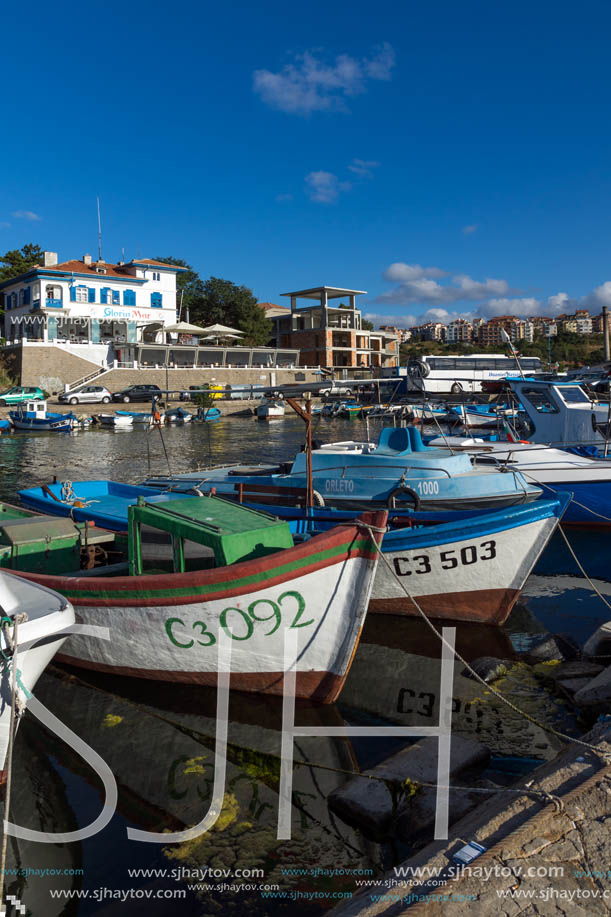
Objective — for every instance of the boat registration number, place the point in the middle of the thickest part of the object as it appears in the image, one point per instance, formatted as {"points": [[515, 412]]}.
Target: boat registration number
{"points": [[241, 624], [447, 560], [425, 488]]}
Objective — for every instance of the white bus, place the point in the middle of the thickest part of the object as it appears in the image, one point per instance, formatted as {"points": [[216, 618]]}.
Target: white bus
{"points": [[465, 374]]}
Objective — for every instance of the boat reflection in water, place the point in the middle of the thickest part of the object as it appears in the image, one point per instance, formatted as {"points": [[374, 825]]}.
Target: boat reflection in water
{"points": [[395, 677], [159, 743], [39, 802]]}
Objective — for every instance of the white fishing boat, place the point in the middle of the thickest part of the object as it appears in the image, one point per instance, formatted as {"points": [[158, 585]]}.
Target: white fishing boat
{"points": [[269, 408], [37, 616], [118, 419]]}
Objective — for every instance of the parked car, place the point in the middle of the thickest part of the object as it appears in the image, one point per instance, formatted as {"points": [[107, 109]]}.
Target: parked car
{"points": [[214, 391], [136, 393], [335, 390], [20, 393], [86, 394]]}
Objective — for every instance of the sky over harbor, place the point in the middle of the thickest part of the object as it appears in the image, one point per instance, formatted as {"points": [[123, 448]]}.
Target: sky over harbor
{"points": [[449, 158]]}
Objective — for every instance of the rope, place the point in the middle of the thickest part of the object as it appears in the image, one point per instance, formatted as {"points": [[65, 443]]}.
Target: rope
{"points": [[560, 735]]}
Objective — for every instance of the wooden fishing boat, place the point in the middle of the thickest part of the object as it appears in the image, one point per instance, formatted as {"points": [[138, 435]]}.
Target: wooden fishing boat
{"points": [[43, 616], [232, 570]]}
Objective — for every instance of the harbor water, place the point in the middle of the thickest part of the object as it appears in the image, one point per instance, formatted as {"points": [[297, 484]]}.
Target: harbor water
{"points": [[159, 739]]}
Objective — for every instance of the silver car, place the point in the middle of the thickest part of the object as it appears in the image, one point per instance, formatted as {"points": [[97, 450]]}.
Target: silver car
{"points": [[86, 394]]}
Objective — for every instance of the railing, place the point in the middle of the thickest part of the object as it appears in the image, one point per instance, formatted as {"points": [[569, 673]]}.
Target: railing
{"points": [[88, 378], [53, 303]]}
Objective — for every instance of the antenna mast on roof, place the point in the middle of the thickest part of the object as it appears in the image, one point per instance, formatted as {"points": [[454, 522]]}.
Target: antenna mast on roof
{"points": [[99, 232]]}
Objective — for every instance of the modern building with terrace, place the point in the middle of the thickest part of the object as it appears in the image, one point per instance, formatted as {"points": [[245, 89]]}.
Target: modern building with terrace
{"points": [[329, 333]]}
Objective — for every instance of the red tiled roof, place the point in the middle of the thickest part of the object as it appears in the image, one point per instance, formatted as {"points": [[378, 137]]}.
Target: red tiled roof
{"points": [[110, 270], [272, 305]]}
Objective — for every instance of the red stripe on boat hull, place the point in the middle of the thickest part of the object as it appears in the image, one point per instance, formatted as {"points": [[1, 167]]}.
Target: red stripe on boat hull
{"points": [[486, 606], [323, 687]]}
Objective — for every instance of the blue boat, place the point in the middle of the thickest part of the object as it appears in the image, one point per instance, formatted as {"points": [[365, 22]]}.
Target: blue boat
{"points": [[5, 426], [207, 415], [33, 416], [399, 471], [103, 502]]}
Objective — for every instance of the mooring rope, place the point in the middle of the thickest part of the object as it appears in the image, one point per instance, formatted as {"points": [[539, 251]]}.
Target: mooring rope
{"points": [[560, 735]]}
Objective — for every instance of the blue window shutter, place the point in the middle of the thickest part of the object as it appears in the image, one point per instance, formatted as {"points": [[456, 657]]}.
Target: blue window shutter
{"points": [[104, 295], [156, 300], [116, 297], [72, 294], [129, 298], [26, 296], [91, 294]]}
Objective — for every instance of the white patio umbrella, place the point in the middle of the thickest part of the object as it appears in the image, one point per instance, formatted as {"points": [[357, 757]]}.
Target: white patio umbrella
{"points": [[184, 328], [221, 337], [221, 330]]}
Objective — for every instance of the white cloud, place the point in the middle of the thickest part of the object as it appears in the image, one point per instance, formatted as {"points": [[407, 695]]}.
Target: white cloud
{"points": [[470, 229], [600, 296], [416, 284], [363, 167], [310, 84], [504, 305], [285, 196], [401, 272], [401, 321], [325, 187], [27, 215]]}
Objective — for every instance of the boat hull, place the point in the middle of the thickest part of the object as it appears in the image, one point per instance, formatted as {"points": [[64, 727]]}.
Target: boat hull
{"points": [[38, 640], [38, 425], [472, 570], [165, 627]]}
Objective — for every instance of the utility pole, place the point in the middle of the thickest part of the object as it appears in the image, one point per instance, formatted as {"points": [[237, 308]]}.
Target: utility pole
{"points": [[606, 334]]}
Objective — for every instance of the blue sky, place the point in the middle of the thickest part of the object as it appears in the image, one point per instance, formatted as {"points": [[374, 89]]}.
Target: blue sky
{"points": [[444, 156]]}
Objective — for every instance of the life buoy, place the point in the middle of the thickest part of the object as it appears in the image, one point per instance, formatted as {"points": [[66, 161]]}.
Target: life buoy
{"points": [[403, 489]]}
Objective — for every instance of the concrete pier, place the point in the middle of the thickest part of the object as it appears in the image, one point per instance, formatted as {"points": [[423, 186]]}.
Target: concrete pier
{"points": [[546, 858]]}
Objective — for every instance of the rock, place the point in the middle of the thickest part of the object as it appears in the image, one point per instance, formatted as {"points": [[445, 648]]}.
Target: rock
{"points": [[599, 644], [368, 803], [572, 685], [579, 668], [597, 691], [535, 845], [554, 646], [488, 667]]}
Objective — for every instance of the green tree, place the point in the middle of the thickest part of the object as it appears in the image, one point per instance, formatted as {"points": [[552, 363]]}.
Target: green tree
{"points": [[18, 261], [366, 325], [188, 287], [229, 304]]}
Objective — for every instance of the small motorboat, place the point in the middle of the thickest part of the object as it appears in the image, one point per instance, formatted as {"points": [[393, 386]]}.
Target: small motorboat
{"points": [[118, 419], [139, 418], [33, 416], [178, 416], [207, 415], [269, 408], [102, 502]]}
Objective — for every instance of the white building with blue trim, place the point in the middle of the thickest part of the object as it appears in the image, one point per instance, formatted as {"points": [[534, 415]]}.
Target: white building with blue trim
{"points": [[89, 303]]}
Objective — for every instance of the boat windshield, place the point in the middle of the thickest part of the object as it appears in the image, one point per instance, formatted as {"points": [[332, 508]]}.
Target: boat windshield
{"points": [[573, 394]]}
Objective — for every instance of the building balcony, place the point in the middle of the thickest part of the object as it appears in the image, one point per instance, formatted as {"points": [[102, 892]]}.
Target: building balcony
{"points": [[52, 303]]}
